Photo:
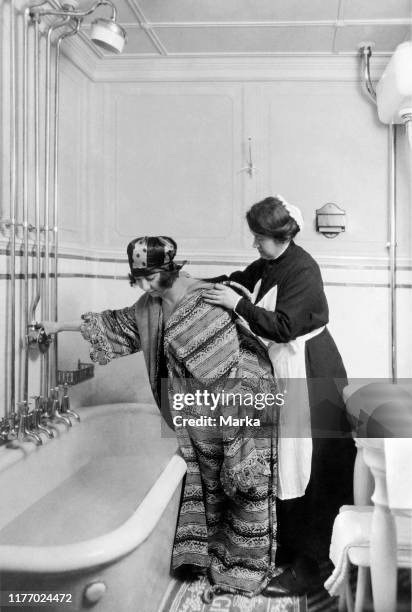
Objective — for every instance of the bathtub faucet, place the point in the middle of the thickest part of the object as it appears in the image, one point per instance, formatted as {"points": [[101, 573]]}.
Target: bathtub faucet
{"points": [[54, 408], [37, 415], [8, 428], [23, 432], [65, 404]]}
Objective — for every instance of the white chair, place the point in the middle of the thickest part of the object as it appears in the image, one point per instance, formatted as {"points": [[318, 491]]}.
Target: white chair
{"points": [[351, 545], [378, 537]]}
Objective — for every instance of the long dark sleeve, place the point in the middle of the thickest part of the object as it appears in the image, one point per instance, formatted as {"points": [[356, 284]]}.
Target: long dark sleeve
{"points": [[247, 277], [301, 307]]}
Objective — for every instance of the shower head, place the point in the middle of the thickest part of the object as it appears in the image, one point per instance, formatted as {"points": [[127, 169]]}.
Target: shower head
{"points": [[109, 35], [105, 33]]}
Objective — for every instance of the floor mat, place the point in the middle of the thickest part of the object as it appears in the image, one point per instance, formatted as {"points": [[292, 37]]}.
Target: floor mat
{"points": [[187, 597]]}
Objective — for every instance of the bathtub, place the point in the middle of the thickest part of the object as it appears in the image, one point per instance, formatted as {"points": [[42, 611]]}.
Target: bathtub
{"points": [[92, 513]]}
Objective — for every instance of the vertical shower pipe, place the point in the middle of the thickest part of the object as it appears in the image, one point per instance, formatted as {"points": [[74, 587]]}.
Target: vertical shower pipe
{"points": [[46, 293], [366, 79], [10, 410], [25, 206], [55, 192], [392, 133], [25, 199], [36, 297]]}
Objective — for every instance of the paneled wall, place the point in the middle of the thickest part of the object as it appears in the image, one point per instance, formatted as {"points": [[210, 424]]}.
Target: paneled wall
{"points": [[170, 157]]}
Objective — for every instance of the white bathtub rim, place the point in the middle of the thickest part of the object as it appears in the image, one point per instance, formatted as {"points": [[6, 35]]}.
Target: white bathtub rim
{"points": [[103, 549], [112, 545]]}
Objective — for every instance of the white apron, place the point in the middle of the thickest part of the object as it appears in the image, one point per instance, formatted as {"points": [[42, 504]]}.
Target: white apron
{"points": [[288, 361]]}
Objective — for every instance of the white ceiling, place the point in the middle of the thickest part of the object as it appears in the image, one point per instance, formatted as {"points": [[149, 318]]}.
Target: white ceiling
{"points": [[222, 28]]}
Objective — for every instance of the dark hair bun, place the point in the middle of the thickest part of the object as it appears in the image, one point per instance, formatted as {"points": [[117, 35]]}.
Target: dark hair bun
{"points": [[269, 217]]}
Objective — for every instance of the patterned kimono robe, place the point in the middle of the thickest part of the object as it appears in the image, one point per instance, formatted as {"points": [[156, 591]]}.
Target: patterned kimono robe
{"points": [[227, 518]]}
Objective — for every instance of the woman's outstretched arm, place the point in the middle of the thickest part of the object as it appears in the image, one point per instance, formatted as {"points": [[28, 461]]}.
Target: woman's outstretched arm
{"points": [[54, 327], [111, 333]]}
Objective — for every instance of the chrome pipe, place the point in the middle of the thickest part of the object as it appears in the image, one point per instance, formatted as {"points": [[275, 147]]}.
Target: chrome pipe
{"points": [[392, 132], [37, 291], [11, 408], [406, 118], [35, 11], [36, 297], [45, 306], [75, 30], [366, 52], [25, 163]]}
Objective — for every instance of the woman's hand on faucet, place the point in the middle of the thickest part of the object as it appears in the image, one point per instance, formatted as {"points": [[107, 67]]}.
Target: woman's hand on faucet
{"points": [[51, 327]]}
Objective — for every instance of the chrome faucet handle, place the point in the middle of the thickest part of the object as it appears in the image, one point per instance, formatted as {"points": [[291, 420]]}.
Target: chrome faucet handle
{"points": [[36, 399], [8, 428], [21, 413], [37, 336], [4, 428], [43, 405], [31, 435], [55, 408], [22, 407], [37, 415], [24, 432], [65, 404], [50, 404], [71, 413], [59, 412], [46, 417], [39, 427]]}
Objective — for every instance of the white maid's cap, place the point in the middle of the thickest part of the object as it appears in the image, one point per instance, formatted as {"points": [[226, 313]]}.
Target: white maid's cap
{"points": [[293, 211]]}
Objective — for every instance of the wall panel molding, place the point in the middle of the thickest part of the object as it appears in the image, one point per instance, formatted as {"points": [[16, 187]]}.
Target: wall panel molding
{"points": [[74, 109], [169, 152], [247, 68]]}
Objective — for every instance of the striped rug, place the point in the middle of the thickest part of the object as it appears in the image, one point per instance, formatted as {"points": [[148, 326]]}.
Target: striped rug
{"points": [[187, 597]]}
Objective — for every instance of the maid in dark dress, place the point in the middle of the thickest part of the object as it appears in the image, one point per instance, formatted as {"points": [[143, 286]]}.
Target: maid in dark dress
{"points": [[285, 305]]}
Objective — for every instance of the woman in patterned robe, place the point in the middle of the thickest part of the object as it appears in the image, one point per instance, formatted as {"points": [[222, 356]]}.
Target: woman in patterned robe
{"points": [[227, 517]]}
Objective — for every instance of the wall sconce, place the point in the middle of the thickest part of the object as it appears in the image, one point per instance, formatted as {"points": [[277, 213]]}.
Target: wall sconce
{"points": [[330, 220]]}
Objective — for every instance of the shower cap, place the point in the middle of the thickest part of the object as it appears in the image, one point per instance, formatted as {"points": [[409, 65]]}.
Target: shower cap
{"points": [[151, 253]]}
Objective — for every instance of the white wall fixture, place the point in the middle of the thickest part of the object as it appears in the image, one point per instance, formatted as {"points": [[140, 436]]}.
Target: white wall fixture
{"points": [[250, 168], [394, 89], [330, 220]]}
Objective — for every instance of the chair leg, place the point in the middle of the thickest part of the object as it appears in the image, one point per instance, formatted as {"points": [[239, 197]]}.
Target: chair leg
{"points": [[342, 602], [345, 603], [348, 594], [361, 584]]}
